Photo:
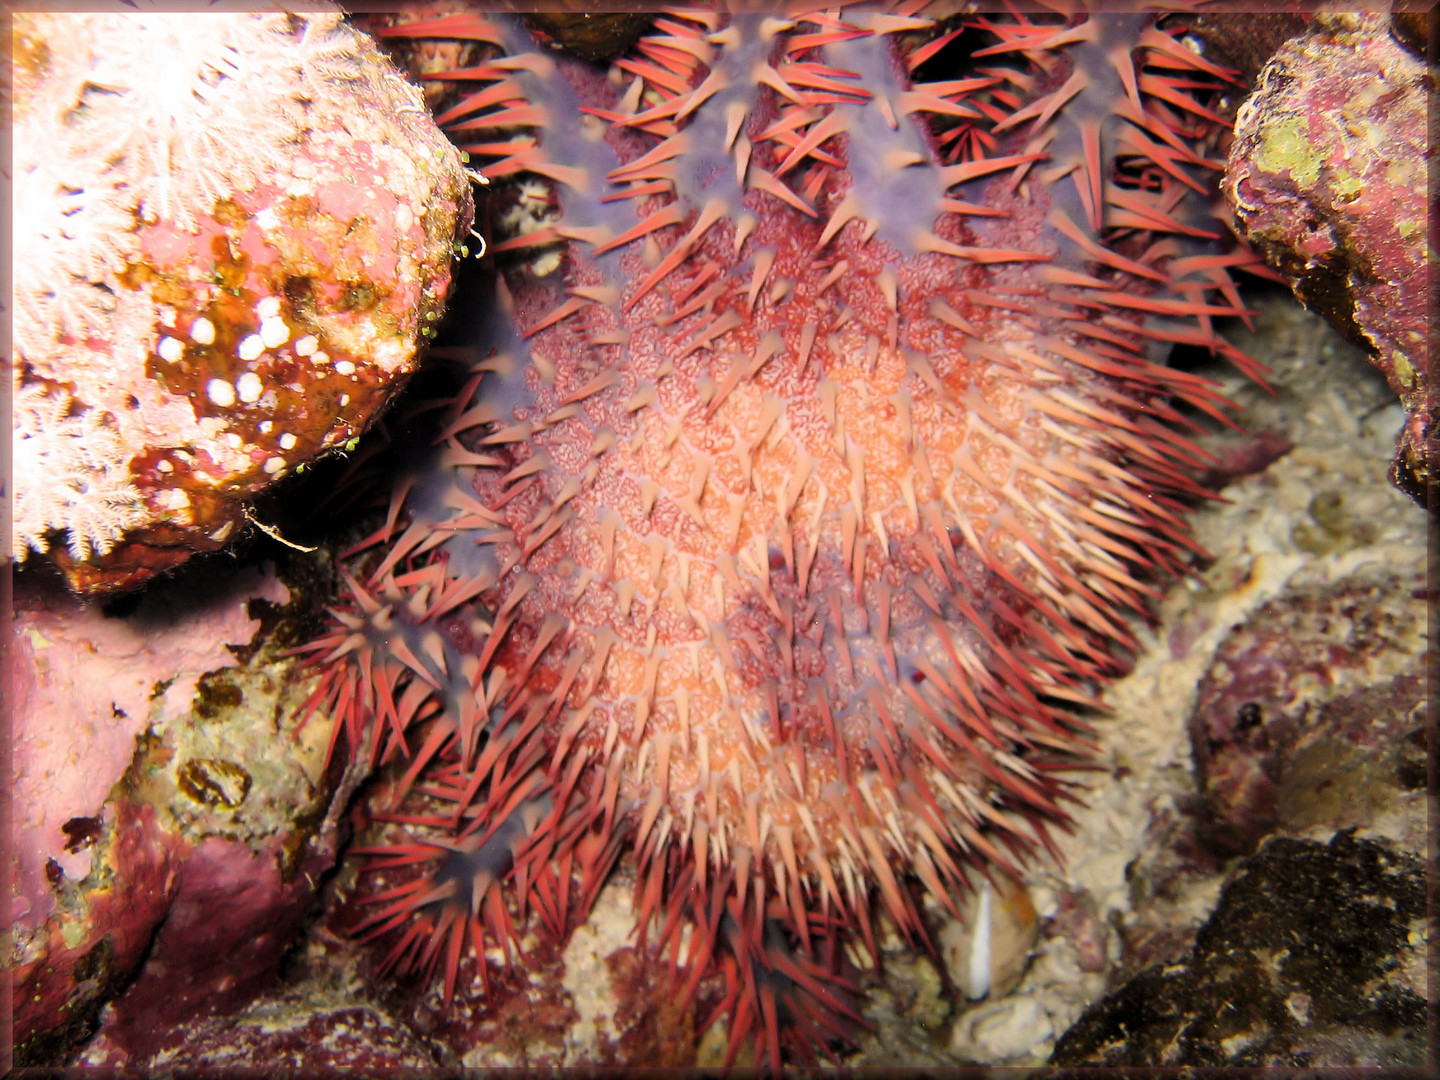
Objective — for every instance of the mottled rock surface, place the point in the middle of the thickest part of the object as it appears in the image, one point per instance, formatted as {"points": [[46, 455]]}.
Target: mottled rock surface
{"points": [[1314, 957], [310, 1030], [1313, 712]]}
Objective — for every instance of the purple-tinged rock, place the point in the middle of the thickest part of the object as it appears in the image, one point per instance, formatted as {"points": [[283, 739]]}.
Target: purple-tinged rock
{"points": [[1312, 713], [173, 821], [1328, 174], [308, 1030]]}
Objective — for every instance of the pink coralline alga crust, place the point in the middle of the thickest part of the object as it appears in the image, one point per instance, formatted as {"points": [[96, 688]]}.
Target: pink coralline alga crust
{"points": [[290, 1030], [235, 233], [173, 820], [101, 676], [234, 911]]}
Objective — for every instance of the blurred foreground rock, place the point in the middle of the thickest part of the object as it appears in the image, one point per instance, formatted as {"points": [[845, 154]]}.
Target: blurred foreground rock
{"points": [[1314, 957]]}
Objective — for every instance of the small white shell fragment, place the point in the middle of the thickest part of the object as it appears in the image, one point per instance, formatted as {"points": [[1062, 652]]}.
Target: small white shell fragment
{"points": [[170, 349], [306, 345], [344, 367], [268, 308], [287, 441], [274, 465], [977, 974], [988, 949], [202, 331]]}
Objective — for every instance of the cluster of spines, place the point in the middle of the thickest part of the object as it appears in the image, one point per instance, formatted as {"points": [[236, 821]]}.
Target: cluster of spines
{"points": [[1134, 523]]}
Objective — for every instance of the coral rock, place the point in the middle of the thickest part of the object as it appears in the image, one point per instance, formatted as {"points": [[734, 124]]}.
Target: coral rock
{"points": [[1328, 175], [234, 232], [299, 1033]]}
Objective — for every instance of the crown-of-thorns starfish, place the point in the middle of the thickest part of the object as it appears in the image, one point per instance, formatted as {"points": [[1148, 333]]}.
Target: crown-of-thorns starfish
{"points": [[822, 451]]}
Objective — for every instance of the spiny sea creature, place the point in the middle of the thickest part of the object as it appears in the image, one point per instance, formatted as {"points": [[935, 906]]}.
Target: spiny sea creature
{"points": [[825, 446]]}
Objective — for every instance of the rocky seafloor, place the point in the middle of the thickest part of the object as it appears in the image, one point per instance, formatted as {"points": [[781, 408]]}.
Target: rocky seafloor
{"points": [[1265, 759]]}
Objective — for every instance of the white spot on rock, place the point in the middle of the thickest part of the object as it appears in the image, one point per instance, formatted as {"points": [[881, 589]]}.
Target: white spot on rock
{"points": [[274, 465], [268, 308], [170, 349], [306, 345], [220, 392], [274, 332], [344, 367], [287, 441], [251, 346], [202, 331], [249, 387]]}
